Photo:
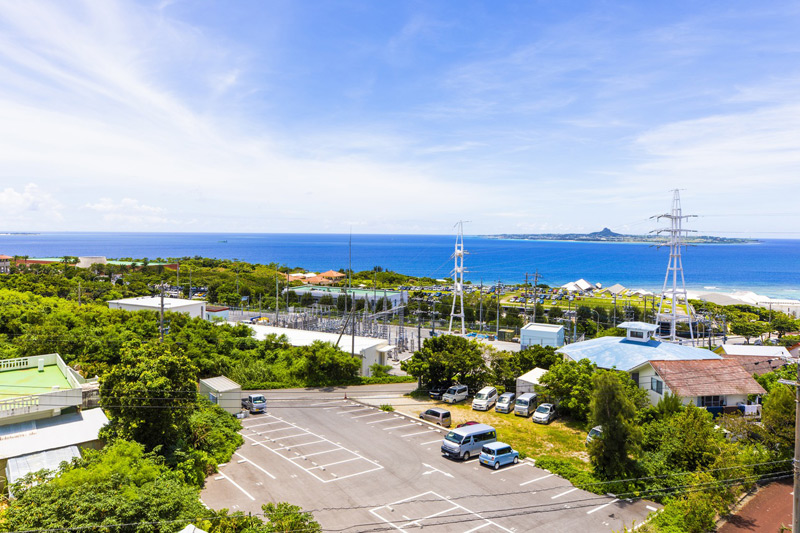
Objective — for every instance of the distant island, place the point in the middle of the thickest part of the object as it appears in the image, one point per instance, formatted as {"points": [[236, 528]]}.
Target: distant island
{"points": [[606, 235]]}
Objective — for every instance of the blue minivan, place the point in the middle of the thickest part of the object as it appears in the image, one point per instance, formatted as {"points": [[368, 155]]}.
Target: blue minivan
{"points": [[497, 454]]}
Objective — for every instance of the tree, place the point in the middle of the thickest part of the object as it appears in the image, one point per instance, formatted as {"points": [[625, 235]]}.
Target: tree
{"points": [[612, 409], [777, 419], [784, 324], [448, 358], [569, 383], [287, 518], [149, 396], [119, 485], [748, 329]]}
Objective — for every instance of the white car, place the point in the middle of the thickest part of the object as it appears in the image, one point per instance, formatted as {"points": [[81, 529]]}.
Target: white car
{"points": [[456, 393], [485, 399]]}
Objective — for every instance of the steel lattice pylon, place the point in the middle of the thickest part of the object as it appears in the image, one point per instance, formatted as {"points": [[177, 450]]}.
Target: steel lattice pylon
{"points": [[458, 278], [675, 268]]}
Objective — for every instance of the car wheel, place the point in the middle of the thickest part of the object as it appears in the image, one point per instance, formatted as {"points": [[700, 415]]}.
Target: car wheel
{"points": [[516, 460], [466, 456], [497, 466]]}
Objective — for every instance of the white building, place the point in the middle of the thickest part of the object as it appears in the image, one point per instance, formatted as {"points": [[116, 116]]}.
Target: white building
{"points": [[370, 350], [194, 308], [222, 391], [529, 381], [536, 334]]}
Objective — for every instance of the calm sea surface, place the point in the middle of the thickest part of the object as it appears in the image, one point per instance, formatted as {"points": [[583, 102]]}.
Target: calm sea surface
{"points": [[771, 267]]}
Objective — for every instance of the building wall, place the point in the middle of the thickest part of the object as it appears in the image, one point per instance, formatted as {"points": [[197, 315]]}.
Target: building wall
{"points": [[197, 309], [541, 338], [230, 400]]}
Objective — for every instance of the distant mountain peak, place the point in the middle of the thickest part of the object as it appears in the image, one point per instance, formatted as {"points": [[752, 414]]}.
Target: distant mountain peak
{"points": [[605, 233]]}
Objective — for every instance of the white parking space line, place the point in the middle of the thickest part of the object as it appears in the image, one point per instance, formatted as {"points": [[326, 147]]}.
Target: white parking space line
{"points": [[237, 486], [337, 462], [506, 469], [326, 403], [371, 414], [563, 493], [402, 426], [650, 508], [298, 445], [537, 479], [259, 425], [477, 528], [255, 465], [615, 500], [354, 411], [274, 430], [315, 453], [431, 442], [334, 407], [320, 439], [419, 433], [382, 421], [291, 436]]}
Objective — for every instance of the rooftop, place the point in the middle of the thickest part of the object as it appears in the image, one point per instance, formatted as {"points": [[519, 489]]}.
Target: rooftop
{"points": [[154, 302], [536, 326], [27, 381], [302, 337], [623, 354], [638, 325], [755, 351], [336, 291], [706, 378], [221, 384], [51, 433]]}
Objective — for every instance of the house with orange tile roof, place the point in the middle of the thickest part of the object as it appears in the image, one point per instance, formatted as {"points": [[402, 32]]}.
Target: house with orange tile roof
{"points": [[332, 274], [5, 264]]}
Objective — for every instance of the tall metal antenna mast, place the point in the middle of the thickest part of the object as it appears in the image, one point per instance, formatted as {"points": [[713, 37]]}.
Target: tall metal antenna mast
{"points": [[458, 277], [675, 268]]}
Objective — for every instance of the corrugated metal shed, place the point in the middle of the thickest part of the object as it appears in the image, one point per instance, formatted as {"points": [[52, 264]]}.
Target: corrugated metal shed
{"points": [[706, 378], [221, 384], [17, 467]]}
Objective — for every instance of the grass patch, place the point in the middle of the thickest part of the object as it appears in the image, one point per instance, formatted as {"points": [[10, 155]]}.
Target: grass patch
{"points": [[387, 407], [560, 443]]}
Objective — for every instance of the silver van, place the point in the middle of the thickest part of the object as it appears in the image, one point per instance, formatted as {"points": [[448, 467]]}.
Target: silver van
{"points": [[505, 403], [456, 393], [464, 442], [437, 416], [526, 404]]}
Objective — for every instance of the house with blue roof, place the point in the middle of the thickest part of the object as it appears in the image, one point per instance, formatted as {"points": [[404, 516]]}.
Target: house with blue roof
{"points": [[631, 351]]}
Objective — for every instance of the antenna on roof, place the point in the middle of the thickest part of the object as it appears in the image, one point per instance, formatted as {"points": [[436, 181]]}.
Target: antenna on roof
{"points": [[674, 267]]}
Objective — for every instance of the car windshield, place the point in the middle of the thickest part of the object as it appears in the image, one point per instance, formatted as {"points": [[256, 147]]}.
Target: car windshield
{"points": [[522, 402], [452, 390], [543, 409], [480, 396], [454, 437], [504, 399], [487, 451], [259, 399], [594, 432]]}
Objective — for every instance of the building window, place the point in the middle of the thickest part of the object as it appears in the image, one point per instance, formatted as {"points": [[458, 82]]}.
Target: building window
{"points": [[636, 334], [635, 378], [711, 401], [656, 385]]}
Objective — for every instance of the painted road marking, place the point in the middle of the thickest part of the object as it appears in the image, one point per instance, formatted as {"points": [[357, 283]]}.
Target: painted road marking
{"points": [[431, 442], [402, 426], [371, 414], [382, 421], [245, 459], [419, 433], [564, 493], [237, 486], [537, 479], [615, 500]]}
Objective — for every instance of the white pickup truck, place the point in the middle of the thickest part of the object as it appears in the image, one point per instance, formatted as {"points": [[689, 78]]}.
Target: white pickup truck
{"points": [[255, 403]]}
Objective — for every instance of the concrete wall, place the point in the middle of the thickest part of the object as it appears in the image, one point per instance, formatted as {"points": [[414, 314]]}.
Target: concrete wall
{"points": [[541, 338], [230, 400]]}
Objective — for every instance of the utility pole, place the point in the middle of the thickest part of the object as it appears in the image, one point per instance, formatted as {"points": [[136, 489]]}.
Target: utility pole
{"points": [[161, 317], [480, 313], [190, 283], [535, 283], [277, 298], [525, 297], [497, 293], [796, 460], [79, 294]]}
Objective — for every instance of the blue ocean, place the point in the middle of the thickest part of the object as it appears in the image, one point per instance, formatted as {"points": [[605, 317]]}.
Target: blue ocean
{"points": [[770, 267]]}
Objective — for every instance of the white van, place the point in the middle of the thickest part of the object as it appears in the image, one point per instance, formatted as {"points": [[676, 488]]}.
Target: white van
{"points": [[485, 399], [464, 442], [525, 404], [456, 393]]}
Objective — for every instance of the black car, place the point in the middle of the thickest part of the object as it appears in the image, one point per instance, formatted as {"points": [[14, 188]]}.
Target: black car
{"points": [[436, 391]]}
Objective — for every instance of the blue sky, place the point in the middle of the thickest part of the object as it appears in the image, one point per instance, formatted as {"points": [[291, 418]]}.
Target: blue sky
{"points": [[398, 117]]}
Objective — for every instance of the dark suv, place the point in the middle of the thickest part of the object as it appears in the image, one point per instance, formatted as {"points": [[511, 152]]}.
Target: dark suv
{"points": [[436, 391]]}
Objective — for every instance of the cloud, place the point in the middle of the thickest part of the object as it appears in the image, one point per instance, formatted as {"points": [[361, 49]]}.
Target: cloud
{"points": [[129, 212], [31, 205]]}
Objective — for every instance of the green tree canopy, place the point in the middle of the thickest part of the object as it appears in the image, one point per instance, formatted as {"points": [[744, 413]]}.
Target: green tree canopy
{"points": [[448, 358], [612, 408]]}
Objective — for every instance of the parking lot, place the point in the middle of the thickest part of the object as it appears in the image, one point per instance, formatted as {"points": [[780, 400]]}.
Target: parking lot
{"points": [[358, 468]]}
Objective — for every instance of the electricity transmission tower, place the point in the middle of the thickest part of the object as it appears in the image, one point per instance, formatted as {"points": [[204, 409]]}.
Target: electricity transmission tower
{"points": [[458, 277], [671, 289]]}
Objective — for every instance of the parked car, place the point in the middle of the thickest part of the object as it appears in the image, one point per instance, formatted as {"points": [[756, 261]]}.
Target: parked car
{"points": [[255, 403], [437, 415], [437, 391], [505, 403], [468, 441], [467, 423], [525, 404], [456, 393], [594, 433], [485, 399], [497, 454], [545, 413]]}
